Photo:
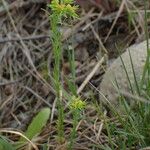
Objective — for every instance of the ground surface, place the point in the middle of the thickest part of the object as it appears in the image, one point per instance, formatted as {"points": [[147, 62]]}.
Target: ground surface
{"points": [[26, 62]]}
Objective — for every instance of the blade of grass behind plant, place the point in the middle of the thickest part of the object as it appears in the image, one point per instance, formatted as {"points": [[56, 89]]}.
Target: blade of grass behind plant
{"points": [[133, 71], [71, 84], [124, 67]]}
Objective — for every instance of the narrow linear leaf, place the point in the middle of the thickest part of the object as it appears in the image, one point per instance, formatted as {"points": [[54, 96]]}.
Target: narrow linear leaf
{"points": [[4, 145], [38, 122]]}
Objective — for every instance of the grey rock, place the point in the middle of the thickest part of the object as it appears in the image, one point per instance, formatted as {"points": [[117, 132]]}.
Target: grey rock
{"points": [[116, 72]]}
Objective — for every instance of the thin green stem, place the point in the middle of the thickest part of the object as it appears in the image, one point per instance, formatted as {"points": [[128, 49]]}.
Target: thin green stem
{"points": [[146, 67], [76, 114], [56, 43]]}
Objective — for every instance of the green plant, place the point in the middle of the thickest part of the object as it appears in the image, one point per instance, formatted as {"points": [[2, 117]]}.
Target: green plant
{"points": [[76, 106], [134, 124], [35, 127], [5, 145], [38, 122], [146, 70], [64, 8], [60, 9]]}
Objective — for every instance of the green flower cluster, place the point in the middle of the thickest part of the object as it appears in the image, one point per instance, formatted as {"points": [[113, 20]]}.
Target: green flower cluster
{"points": [[77, 103], [64, 8]]}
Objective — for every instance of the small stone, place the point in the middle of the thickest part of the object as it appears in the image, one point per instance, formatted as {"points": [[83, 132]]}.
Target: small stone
{"points": [[117, 71]]}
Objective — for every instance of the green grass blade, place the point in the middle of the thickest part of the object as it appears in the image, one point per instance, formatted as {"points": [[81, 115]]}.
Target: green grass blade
{"points": [[38, 122], [4, 145], [134, 75], [146, 67], [126, 72]]}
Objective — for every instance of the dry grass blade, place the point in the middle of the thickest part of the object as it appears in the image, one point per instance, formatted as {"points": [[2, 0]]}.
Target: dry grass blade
{"points": [[20, 134], [146, 148], [99, 40], [25, 49], [69, 31], [118, 14], [19, 4], [135, 97], [91, 74], [2, 105], [35, 37]]}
